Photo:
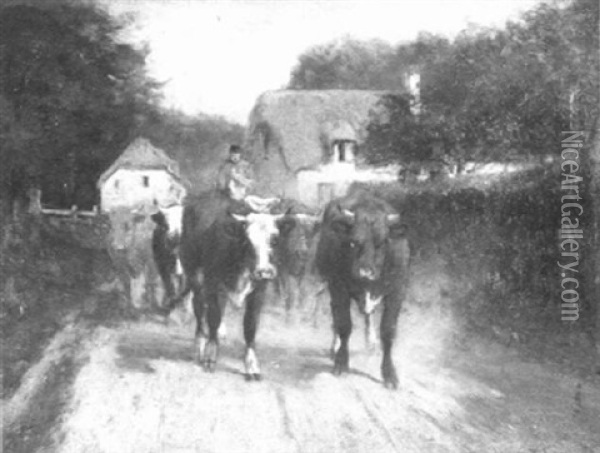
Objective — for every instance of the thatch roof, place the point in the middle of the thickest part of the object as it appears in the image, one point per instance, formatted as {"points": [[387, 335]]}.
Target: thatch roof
{"points": [[301, 125], [142, 155]]}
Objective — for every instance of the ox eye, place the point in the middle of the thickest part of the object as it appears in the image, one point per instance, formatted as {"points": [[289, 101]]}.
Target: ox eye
{"points": [[380, 244], [231, 229], [286, 225]]}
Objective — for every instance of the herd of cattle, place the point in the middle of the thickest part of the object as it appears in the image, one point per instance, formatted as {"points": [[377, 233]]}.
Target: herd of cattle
{"points": [[224, 251]]}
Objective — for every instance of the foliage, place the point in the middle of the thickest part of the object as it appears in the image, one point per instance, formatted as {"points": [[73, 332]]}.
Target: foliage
{"points": [[491, 94], [199, 143], [345, 64], [499, 242], [397, 135], [71, 96]]}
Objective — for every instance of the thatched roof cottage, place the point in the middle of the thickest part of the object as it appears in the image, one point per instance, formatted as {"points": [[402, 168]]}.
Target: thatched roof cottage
{"points": [[142, 177], [307, 144]]}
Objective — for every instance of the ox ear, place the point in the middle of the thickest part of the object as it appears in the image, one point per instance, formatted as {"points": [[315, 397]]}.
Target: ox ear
{"points": [[239, 218], [159, 218], [397, 230], [285, 224], [138, 218]]}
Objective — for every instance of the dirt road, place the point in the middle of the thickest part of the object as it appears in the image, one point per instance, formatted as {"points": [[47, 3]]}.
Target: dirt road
{"points": [[139, 390]]}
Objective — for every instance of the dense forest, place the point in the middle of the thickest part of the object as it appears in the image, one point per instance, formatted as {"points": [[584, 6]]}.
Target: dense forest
{"points": [[73, 95], [488, 94]]}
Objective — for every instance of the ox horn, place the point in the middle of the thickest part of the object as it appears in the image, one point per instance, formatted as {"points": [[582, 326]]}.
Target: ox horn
{"points": [[238, 217], [349, 214], [393, 218]]}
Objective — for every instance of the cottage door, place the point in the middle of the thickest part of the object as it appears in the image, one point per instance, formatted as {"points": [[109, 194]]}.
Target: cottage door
{"points": [[326, 193]]}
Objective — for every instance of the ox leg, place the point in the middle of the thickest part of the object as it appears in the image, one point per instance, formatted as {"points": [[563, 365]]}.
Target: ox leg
{"points": [[174, 289], [342, 324], [211, 351], [199, 305], [222, 331], [335, 343], [177, 297], [292, 296], [251, 320], [389, 321], [370, 333], [167, 281]]}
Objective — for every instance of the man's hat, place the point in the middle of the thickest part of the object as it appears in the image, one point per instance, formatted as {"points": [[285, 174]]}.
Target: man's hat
{"points": [[235, 149]]}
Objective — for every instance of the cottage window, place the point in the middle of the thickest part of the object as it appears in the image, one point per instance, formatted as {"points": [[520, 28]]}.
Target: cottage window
{"points": [[116, 184], [343, 150], [146, 181]]}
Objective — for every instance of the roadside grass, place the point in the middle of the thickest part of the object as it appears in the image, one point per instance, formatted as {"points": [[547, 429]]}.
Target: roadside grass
{"points": [[498, 236]]}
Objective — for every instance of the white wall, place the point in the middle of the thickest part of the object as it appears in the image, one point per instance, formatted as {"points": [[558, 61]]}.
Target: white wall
{"points": [[333, 180], [125, 188]]}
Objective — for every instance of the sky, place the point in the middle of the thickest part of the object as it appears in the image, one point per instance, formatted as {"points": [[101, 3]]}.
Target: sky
{"points": [[217, 57]]}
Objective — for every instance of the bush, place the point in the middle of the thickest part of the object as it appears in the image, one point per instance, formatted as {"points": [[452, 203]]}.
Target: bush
{"points": [[499, 241]]}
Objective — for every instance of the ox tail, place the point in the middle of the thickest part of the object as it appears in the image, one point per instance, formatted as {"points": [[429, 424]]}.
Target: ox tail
{"points": [[176, 300]]}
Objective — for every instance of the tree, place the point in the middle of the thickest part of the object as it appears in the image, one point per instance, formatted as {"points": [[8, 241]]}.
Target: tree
{"points": [[197, 143], [346, 64], [394, 135], [71, 96], [491, 94], [511, 91]]}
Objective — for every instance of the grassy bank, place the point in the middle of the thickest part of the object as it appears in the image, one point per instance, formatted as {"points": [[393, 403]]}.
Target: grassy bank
{"points": [[499, 238]]}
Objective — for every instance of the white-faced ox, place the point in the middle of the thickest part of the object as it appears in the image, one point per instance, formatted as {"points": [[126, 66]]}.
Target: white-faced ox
{"points": [[228, 257], [363, 255]]}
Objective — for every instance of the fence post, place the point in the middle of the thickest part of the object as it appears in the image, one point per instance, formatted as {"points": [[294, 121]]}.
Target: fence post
{"points": [[35, 201]]}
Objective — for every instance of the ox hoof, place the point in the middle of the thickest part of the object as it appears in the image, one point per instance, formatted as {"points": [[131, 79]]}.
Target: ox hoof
{"points": [[391, 384], [210, 356], [341, 362], [210, 366], [390, 379], [340, 368], [200, 346], [253, 377], [163, 311]]}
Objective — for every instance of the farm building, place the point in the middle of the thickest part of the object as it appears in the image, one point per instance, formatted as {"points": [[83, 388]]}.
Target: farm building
{"points": [[142, 177], [307, 144]]}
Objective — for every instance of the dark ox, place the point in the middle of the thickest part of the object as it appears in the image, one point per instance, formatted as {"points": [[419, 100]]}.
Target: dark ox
{"points": [[228, 255], [166, 240], [294, 258], [363, 256]]}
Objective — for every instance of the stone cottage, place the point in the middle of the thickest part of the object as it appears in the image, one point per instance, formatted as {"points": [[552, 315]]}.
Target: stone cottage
{"points": [[141, 178], [307, 145]]}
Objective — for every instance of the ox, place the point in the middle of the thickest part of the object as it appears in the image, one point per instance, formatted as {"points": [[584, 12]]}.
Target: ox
{"points": [[363, 255], [228, 256], [165, 249], [294, 256]]}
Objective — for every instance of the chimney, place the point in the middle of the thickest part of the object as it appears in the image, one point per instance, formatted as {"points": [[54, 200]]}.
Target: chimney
{"points": [[414, 88]]}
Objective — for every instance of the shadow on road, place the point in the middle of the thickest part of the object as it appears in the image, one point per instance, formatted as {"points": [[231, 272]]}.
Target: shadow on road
{"points": [[280, 364]]}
